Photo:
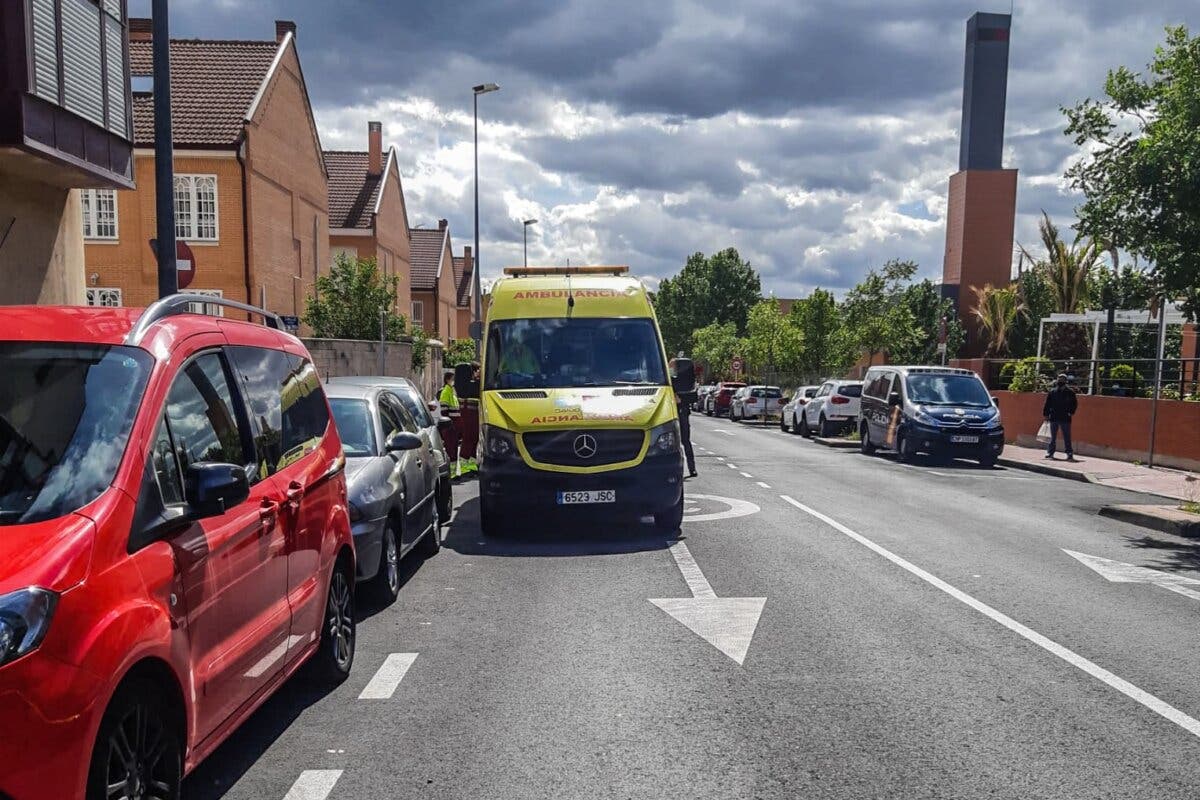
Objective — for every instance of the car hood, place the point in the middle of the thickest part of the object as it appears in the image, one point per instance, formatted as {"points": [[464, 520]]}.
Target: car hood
{"points": [[54, 554], [633, 407]]}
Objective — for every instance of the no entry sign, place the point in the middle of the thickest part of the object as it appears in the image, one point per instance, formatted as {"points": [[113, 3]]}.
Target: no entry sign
{"points": [[185, 262]]}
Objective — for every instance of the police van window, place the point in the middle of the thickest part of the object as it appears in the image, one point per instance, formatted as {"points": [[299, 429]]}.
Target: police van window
{"points": [[201, 414]]}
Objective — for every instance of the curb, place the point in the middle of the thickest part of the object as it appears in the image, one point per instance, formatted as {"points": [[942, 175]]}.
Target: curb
{"points": [[840, 444], [1146, 518], [1046, 469]]}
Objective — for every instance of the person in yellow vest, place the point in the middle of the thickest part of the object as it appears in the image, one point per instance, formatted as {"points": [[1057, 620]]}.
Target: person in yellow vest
{"points": [[448, 400]]}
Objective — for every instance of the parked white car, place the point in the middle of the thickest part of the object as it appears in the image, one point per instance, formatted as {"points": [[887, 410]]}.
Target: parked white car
{"points": [[789, 417], [755, 402], [833, 410]]}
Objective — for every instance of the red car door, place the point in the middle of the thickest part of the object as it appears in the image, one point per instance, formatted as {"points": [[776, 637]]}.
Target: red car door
{"points": [[234, 566]]}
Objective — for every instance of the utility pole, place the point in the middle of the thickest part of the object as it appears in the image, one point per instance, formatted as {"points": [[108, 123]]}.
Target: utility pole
{"points": [[164, 155], [482, 88]]}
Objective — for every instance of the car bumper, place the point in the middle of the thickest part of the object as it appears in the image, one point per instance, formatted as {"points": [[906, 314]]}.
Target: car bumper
{"points": [[653, 486], [368, 544], [50, 712], [937, 441]]}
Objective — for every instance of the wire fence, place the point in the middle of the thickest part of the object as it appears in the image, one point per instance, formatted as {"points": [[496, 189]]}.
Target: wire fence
{"points": [[1175, 378]]}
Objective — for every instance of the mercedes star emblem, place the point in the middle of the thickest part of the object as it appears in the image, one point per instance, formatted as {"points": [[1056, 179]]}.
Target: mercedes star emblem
{"points": [[585, 445]]}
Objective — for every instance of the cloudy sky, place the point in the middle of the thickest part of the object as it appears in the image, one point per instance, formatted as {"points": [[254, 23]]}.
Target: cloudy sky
{"points": [[816, 137]]}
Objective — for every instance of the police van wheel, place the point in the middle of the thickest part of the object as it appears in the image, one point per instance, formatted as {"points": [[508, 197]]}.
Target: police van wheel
{"points": [[866, 446], [669, 521]]}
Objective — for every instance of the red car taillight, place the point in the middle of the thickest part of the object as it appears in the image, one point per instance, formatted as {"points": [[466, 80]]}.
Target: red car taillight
{"points": [[838, 400], [751, 401]]}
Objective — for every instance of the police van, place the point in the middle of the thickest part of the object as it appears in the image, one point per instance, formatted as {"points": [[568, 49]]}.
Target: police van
{"points": [[577, 402]]}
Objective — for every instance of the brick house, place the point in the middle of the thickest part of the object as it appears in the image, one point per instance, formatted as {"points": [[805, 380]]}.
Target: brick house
{"points": [[368, 217], [434, 291], [464, 278], [250, 178], [65, 133]]}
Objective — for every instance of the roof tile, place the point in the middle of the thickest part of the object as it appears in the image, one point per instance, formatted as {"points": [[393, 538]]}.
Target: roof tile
{"points": [[426, 248], [352, 192], [462, 280]]}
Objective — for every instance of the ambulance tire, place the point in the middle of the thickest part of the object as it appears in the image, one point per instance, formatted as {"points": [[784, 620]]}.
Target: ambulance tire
{"points": [[670, 520]]}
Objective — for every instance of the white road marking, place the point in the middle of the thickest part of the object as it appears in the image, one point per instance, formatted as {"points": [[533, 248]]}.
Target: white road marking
{"points": [[722, 430], [1163, 709], [731, 466], [764, 485], [383, 684], [737, 508], [720, 458], [746, 475], [727, 623], [1120, 572], [313, 784]]}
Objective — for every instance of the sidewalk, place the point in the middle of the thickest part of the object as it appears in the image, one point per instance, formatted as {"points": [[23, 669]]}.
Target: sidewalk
{"points": [[1174, 484]]}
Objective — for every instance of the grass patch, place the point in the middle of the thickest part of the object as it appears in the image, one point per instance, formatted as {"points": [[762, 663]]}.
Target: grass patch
{"points": [[1191, 506]]}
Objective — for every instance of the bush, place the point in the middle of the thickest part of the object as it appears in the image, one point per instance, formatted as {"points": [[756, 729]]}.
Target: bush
{"points": [[459, 351], [1030, 374]]}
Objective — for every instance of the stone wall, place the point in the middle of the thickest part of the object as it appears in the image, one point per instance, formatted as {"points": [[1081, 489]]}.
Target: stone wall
{"points": [[336, 358]]}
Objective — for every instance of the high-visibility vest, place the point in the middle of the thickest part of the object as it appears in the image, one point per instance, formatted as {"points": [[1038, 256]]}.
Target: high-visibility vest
{"points": [[448, 398]]}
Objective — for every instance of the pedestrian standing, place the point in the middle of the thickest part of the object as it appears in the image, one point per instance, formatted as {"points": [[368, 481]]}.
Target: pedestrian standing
{"points": [[448, 399], [683, 406], [1058, 410]]}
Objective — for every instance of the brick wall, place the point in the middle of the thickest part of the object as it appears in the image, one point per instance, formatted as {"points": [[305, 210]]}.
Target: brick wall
{"points": [[391, 233], [1113, 427], [336, 358]]}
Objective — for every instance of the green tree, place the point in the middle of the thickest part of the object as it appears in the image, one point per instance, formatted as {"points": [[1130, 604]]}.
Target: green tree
{"points": [[773, 341], [715, 346], [717, 288], [875, 316], [1140, 174], [459, 351], [997, 309], [1067, 270], [826, 350], [928, 308], [1037, 302], [347, 303]]}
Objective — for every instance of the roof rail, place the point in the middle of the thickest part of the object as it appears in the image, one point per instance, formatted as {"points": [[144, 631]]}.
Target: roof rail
{"points": [[176, 304], [517, 272]]}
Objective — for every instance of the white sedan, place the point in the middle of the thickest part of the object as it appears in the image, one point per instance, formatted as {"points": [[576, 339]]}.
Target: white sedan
{"points": [[789, 418], [833, 410]]}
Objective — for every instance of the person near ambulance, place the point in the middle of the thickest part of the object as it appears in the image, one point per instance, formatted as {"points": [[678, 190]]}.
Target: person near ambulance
{"points": [[683, 405], [448, 400]]}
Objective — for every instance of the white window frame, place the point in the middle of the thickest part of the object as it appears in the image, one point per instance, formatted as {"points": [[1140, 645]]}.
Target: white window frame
{"points": [[89, 209], [187, 220], [211, 309], [103, 297], [418, 306]]}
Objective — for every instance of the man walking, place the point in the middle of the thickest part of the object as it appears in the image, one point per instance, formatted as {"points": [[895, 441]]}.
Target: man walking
{"points": [[1058, 410]]}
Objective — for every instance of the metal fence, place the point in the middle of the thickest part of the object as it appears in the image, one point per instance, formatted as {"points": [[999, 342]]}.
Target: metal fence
{"points": [[1175, 378]]}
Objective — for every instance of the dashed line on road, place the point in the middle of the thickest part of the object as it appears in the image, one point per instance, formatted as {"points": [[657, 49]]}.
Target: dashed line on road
{"points": [[764, 485], [313, 784], [746, 475], [1158, 706], [731, 466], [387, 678]]}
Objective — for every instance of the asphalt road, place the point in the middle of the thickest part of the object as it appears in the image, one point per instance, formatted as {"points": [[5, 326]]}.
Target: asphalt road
{"points": [[923, 634]]}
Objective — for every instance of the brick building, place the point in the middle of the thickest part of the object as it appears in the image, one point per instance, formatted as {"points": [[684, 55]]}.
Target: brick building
{"points": [[464, 278], [434, 291], [368, 217], [250, 177]]}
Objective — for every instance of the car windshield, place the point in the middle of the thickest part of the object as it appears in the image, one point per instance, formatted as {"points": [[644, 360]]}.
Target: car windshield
{"points": [[65, 415], [355, 426], [567, 352], [947, 390]]}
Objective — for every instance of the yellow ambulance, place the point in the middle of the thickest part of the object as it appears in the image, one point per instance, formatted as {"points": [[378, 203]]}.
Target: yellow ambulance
{"points": [[577, 406]]}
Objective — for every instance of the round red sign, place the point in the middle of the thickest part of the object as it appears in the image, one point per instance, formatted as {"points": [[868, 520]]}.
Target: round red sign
{"points": [[185, 264]]}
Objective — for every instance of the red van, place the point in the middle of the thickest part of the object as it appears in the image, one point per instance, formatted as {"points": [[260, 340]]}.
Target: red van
{"points": [[174, 540]]}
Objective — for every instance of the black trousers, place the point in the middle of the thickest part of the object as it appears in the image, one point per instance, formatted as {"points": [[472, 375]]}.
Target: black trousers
{"points": [[685, 433]]}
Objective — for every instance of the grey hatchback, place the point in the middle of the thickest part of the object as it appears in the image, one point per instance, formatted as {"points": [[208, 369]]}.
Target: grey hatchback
{"points": [[391, 483]]}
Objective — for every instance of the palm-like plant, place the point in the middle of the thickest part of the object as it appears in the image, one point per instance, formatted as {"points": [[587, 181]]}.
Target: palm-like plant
{"points": [[1066, 267], [997, 308]]}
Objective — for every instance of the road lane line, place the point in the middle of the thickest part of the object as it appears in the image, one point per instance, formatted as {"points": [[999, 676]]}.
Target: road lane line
{"points": [[698, 585], [731, 466], [313, 784], [383, 685], [720, 458], [746, 475], [764, 485], [1160, 707]]}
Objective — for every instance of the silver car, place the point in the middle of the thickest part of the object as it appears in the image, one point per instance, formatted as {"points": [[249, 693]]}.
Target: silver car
{"points": [[391, 483], [430, 426]]}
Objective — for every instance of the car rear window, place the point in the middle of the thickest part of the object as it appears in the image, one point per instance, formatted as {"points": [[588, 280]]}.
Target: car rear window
{"points": [[850, 391], [769, 392]]}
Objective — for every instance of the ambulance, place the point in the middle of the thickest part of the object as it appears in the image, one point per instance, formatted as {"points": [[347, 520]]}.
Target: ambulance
{"points": [[577, 401]]}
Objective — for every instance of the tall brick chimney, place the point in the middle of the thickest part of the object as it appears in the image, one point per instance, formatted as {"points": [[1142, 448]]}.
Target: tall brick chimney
{"points": [[374, 148], [141, 29], [282, 28], [443, 224], [468, 262]]}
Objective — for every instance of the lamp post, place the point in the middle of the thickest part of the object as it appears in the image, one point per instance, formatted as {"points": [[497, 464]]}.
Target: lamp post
{"points": [[164, 166], [482, 88], [525, 238]]}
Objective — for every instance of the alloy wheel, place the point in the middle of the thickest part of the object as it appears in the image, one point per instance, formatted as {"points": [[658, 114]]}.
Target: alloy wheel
{"points": [[141, 763], [339, 619], [393, 561]]}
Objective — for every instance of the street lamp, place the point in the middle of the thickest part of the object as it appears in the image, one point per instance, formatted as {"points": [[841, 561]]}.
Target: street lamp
{"points": [[525, 238], [482, 88]]}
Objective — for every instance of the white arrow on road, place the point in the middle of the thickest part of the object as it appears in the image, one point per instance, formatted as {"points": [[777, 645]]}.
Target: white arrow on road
{"points": [[722, 430], [1119, 572], [727, 623]]}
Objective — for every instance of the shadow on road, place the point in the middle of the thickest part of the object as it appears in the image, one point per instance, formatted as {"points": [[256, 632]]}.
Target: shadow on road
{"points": [[546, 538], [1174, 556]]}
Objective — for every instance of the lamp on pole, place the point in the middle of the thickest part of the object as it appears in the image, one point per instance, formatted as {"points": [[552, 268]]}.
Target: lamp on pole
{"points": [[525, 238], [482, 88]]}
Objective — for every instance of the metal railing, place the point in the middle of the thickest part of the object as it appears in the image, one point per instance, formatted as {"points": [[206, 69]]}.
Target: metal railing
{"points": [[1175, 378]]}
